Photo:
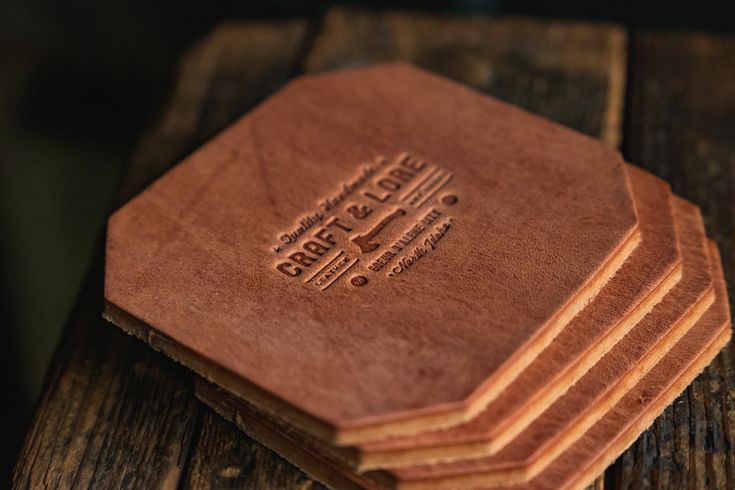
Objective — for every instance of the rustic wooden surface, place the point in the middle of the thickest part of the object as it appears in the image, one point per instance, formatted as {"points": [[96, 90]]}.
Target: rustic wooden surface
{"points": [[116, 414], [681, 125], [113, 413]]}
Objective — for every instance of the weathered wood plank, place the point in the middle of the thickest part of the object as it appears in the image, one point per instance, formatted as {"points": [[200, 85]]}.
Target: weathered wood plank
{"points": [[219, 79], [573, 73], [226, 458], [114, 413], [111, 407], [680, 125]]}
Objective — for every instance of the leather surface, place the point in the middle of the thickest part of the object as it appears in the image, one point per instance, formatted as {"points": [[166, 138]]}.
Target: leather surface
{"points": [[608, 380], [650, 272], [519, 218], [636, 411], [577, 466]]}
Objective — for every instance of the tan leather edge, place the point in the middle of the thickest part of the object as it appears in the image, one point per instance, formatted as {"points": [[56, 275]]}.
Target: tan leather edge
{"points": [[214, 373], [495, 384], [630, 436], [529, 411], [546, 454]]}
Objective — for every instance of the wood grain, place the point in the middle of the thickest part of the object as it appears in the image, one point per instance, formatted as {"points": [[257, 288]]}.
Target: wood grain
{"points": [[680, 125], [114, 413], [573, 73], [225, 458]]}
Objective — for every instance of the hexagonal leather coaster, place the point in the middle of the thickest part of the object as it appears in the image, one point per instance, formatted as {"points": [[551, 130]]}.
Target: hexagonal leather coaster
{"points": [[645, 278], [371, 252], [574, 468]]}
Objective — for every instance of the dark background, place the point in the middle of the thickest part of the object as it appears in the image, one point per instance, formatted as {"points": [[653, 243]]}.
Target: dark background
{"points": [[78, 83]]}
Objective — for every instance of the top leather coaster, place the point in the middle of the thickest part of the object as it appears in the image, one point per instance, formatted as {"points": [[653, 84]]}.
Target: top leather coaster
{"points": [[371, 252]]}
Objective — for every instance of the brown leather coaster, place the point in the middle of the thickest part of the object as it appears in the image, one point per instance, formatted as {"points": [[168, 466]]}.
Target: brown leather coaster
{"points": [[558, 427], [576, 467], [371, 252], [650, 272]]}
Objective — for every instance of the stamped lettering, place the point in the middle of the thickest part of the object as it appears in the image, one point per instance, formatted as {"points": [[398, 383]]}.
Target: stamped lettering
{"points": [[383, 221]]}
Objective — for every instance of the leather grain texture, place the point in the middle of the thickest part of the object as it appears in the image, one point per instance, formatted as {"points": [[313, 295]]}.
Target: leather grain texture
{"points": [[637, 410], [643, 281], [604, 384], [263, 260], [576, 467]]}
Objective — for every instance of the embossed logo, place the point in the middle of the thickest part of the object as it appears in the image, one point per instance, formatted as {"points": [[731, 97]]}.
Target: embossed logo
{"points": [[384, 221]]}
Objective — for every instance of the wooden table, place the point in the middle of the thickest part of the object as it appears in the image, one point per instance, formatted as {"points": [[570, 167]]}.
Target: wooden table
{"points": [[114, 413]]}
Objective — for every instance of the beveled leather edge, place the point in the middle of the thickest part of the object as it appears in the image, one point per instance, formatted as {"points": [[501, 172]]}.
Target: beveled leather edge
{"points": [[384, 459], [334, 474], [556, 447], [620, 444], [210, 371], [630, 436], [464, 411]]}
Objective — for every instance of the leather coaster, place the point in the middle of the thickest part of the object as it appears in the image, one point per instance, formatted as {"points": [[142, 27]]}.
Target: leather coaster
{"points": [[607, 382], [576, 467], [645, 278], [320, 256]]}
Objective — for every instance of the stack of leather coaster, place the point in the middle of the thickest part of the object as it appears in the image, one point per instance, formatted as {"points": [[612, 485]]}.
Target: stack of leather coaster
{"points": [[397, 282]]}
